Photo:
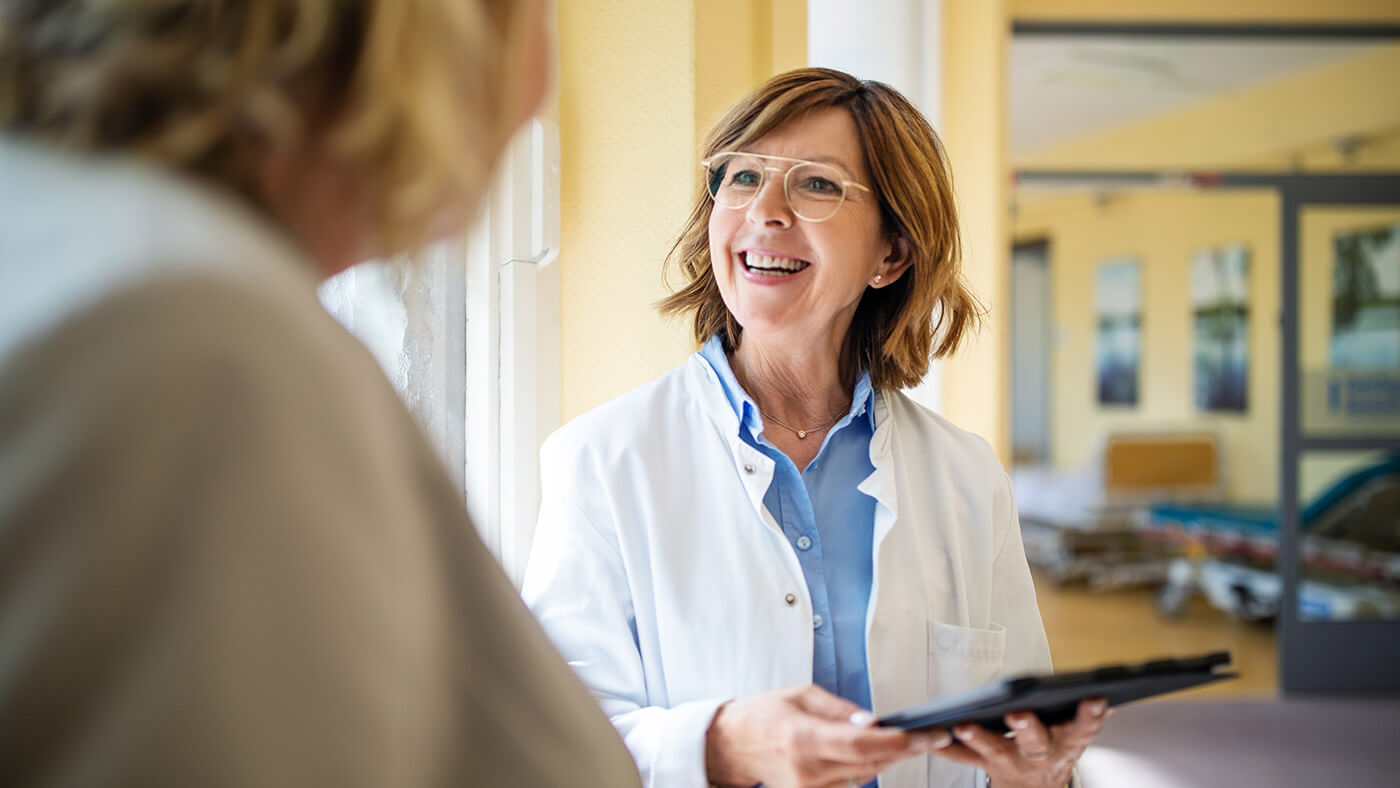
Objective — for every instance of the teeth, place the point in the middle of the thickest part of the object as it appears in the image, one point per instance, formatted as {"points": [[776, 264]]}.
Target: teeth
{"points": [[766, 263]]}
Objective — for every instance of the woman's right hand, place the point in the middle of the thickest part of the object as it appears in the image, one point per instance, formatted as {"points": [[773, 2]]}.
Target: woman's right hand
{"points": [[804, 737]]}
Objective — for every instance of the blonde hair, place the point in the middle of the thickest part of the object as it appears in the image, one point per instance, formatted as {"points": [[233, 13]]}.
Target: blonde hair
{"points": [[924, 314], [411, 95]]}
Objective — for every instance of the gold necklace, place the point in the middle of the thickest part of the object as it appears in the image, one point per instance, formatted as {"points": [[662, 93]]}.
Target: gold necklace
{"points": [[801, 434]]}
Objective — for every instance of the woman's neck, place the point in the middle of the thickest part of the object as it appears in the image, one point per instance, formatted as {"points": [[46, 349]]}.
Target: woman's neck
{"points": [[799, 386]]}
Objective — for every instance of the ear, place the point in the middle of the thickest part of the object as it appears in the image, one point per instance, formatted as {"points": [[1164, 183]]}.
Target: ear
{"points": [[896, 262]]}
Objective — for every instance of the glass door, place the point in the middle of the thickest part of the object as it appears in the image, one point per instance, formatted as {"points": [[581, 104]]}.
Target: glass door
{"points": [[1340, 469]]}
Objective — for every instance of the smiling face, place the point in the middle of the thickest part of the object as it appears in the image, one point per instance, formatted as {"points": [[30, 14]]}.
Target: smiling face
{"points": [[788, 279]]}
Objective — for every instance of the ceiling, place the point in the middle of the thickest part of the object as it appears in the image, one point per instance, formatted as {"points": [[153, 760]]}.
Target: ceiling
{"points": [[1063, 86]]}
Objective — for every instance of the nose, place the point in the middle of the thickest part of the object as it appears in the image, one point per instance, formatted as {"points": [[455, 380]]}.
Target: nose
{"points": [[770, 206]]}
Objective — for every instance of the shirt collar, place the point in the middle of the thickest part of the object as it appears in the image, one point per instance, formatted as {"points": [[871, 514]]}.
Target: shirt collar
{"points": [[862, 400], [739, 400]]}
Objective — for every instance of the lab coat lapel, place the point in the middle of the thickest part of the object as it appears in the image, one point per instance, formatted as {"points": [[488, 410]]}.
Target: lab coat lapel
{"points": [[880, 484], [755, 468], [896, 657]]}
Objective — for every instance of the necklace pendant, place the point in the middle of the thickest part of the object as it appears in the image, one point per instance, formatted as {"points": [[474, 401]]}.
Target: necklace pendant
{"points": [[801, 434]]}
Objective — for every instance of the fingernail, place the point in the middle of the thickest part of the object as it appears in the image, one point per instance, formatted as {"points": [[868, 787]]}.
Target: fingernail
{"points": [[1020, 722], [963, 732], [862, 718], [1109, 713], [1098, 707], [939, 740]]}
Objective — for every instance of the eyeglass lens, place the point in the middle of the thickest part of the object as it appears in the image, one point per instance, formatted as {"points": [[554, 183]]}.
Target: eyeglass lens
{"points": [[814, 191]]}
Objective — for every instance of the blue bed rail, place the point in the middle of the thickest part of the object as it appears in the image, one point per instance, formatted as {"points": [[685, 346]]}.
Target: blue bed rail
{"points": [[1262, 521]]}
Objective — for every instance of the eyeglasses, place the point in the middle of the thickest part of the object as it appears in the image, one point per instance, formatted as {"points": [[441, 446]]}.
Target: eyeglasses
{"points": [[814, 191]]}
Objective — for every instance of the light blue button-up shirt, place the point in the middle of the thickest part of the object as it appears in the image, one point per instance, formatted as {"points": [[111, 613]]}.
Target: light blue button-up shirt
{"points": [[829, 523]]}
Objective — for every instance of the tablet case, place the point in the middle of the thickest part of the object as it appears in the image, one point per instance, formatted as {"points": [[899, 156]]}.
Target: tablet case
{"points": [[1055, 698]]}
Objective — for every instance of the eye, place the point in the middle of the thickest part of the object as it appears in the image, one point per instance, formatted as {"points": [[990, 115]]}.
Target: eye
{"points": [[746, 179], [818, 186]]}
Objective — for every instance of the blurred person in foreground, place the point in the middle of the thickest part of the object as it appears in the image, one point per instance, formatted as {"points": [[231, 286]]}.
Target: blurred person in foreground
{"points": [[745, 557], [228, 555]]}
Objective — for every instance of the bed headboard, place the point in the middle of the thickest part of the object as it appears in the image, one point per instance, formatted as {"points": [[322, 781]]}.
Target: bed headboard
{"points": [[1170, 466]]}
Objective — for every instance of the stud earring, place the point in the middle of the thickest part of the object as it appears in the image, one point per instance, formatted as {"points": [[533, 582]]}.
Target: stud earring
{"points": [[878, 278]]}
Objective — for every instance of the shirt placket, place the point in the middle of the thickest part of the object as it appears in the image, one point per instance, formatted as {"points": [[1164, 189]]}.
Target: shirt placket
{"points": [[799, 526]]}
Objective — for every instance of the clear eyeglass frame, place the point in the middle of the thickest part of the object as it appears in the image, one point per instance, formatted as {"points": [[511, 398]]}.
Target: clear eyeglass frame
{"points": [[715, 168]]}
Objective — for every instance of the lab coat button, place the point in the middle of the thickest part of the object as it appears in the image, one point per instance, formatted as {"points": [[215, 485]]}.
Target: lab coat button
{"points": [[748, 468], [790, 599], [803, 543], [816, 622]]}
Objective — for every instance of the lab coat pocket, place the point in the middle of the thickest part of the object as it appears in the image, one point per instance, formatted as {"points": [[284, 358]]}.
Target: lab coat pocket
{"points": [[961, 658]]}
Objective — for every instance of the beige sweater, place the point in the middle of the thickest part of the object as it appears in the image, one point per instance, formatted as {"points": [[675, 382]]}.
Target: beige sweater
{"points": [[228, 556]]}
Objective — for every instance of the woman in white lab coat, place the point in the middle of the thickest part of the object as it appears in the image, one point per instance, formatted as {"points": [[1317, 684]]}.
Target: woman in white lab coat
{"points": [[744, 556]]}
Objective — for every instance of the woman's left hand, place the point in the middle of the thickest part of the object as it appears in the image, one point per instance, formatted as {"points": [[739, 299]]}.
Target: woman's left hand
{"points": [[1033, 756]]}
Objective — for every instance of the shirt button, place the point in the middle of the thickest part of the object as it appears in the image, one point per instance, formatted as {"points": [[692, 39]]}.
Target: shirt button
{"points": [[803, 543], [748, 468], [816, 622], [790, 599]]}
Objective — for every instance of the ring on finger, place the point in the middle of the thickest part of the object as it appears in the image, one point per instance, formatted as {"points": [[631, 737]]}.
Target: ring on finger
{"points": [[1043, 754]]}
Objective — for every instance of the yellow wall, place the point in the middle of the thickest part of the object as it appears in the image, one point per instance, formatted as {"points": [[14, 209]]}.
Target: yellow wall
{"points": [[640, 82], [744, 43], [1373, 153], [975, 394], [1162, 230]]}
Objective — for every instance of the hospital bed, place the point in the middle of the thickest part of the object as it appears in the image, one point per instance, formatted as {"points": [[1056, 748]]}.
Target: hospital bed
{"points": [[1350, 552], [1083, 524]]}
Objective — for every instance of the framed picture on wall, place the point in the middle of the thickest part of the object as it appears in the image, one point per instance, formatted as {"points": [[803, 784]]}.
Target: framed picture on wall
{"points": [[1220, 327], [1118, 302], [1366, 299]]}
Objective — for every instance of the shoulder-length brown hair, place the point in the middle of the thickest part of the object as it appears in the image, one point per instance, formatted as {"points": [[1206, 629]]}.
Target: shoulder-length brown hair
{"points": [[897, 329]]}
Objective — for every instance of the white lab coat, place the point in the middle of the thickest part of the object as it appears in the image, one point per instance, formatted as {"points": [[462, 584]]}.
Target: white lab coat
{"points": [[669, 587]]}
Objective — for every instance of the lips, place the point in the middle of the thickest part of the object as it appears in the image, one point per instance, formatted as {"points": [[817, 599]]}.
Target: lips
{"points": [[771, 265]]}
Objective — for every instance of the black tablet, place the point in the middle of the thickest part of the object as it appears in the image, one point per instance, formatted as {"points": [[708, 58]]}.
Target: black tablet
{"points": [[1055, 698]]}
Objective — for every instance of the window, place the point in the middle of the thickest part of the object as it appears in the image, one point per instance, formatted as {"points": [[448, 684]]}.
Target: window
{"points": [[470, 338]]}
